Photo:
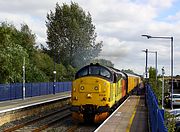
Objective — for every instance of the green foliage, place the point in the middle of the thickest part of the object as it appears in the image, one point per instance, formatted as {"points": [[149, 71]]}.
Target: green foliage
{"points": [[11, 55], [128, 71], [33, 74], [70, 72], [61, 73], [71, 35], [27, 39], [156, 85], [44, 63], [170, 121], [15, 45], [103, 62], [11, 63]]}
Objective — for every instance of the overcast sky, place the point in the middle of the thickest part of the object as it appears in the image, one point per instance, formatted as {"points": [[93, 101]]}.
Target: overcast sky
{"points": [[119, 24]]}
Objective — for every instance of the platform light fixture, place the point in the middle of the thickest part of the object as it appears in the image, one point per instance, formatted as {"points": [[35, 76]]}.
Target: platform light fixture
{"points": [[171, 39], [146, 51], [163, 72], [24, 82], [54, 72]]}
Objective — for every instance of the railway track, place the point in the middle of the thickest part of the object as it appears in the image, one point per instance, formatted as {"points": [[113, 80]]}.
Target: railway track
{"points": [[59, 120], [73, 127], [40, 123], [69, 125]]}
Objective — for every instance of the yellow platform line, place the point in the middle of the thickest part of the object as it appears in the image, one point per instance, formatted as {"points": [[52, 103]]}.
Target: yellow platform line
{"points": [[132, 117]]}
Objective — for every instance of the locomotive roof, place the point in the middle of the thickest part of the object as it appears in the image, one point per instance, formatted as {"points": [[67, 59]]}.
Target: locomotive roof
{"points": [[132, 75], [112, 70], [97, 64], [118, 71], [110, 77], [124, 73]]}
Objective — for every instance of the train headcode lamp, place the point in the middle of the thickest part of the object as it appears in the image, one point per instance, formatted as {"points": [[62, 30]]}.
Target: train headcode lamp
{"points": [[82, 87]]}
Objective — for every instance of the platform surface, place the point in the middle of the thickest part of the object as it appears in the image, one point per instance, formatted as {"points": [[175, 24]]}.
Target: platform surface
{"points": [[6, 106], [140, 121], [130, 116]]}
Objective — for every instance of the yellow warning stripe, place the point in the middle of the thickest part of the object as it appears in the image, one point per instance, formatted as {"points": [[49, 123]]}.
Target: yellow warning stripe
{"points": [[132, 117]]}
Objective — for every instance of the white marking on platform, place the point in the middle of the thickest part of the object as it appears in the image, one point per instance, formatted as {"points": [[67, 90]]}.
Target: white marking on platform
{"points": [[118, 114], [28, 105]]}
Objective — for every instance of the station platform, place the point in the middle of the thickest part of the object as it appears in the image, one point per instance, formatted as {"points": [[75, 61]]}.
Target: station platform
{"points": [[11, 105], [130, 116]]}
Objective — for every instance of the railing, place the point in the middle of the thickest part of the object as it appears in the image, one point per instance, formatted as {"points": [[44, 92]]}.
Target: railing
{"points": [[15, 90], [156, 115]]}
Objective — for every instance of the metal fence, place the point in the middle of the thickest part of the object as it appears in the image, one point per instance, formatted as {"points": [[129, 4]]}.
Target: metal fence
{"points": [[15, 90], [156, 115]]}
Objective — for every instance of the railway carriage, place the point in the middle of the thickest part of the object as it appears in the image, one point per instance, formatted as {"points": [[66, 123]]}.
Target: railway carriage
{"points": [[97, 90]]}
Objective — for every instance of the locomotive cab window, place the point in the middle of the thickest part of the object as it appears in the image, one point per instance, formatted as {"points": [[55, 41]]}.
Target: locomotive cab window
{"points": [[82, 72], [99, 71], [105, 73], [94, 71]]}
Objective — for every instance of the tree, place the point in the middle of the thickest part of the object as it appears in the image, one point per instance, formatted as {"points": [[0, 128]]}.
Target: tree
{"points": [[11, 55], [156, 84], [16, 45], [103, 62], [128, 71], [152, 77], [71, 35], [11, 60], [28, 39]]}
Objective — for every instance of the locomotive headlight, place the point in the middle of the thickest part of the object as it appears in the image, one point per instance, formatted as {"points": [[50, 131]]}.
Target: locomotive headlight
{"points": [[96, 88], [89, 96], [82, 87]]}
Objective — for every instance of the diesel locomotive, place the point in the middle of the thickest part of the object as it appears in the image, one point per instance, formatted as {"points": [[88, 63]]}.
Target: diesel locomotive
{"points": [[98, 89]]}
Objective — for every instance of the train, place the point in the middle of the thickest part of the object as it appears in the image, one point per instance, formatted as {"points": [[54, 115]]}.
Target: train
{"points": [[97, 90]]}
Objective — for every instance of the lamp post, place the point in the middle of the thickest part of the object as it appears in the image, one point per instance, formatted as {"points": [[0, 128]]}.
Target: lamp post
{"points": [[54, 83], [163, 72], [146, 51], [24, 87], [54, 72], [170, 38]]}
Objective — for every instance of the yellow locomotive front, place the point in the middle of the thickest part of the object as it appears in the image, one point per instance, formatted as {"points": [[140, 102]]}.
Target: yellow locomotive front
{"points": [[92, 93]]}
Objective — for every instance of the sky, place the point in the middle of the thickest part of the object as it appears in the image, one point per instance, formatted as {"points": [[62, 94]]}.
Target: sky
{"points": [[119, 24]]}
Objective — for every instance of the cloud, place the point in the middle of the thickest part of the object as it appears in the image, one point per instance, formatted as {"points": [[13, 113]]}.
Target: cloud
{"points": [[119, 24], [33, 7], [114, 11], [37, 26], [114, 48], [161, 3]]}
